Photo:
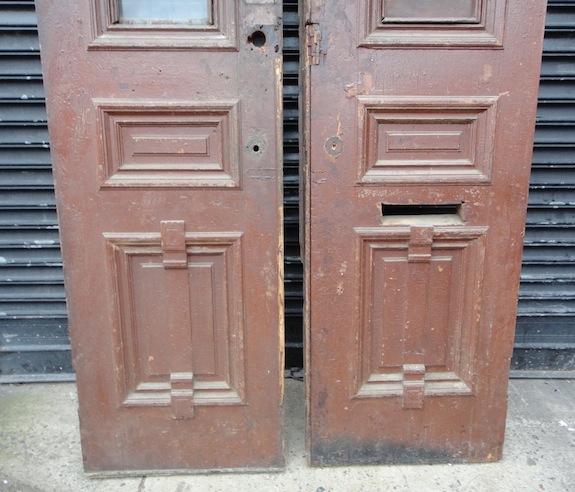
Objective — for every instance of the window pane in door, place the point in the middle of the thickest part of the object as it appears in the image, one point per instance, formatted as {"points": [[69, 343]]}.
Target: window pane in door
{"points": [[436, 11], [165, 12]]}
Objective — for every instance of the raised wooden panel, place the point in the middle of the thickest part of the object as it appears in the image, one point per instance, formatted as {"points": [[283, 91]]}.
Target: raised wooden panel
{"points": [[175, 144], [420, 295], [432, 23], [178, 322], [421, 140], [219, 31]]}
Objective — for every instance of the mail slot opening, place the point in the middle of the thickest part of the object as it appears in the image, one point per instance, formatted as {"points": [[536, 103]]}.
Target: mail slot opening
{"points": [[426, 214], [421, 209]]}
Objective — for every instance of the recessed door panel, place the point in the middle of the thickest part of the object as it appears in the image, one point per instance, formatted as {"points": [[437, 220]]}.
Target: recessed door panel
{"points": [[427, 23], [418, 132], [171, 227]]}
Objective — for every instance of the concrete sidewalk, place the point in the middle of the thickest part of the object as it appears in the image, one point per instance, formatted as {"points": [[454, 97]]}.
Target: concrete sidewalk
{"points": [[40, 451]]}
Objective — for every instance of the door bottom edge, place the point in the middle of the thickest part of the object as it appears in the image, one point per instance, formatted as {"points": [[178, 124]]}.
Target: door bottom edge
{"points": [[336, 455], [179, 471]]}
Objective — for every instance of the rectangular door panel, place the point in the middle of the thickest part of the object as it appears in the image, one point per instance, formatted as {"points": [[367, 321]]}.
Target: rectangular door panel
{"points": [[169, 143], [179, 312], [420, 288], [427, 23], [166, 141], [425, 139], [418, 134]]}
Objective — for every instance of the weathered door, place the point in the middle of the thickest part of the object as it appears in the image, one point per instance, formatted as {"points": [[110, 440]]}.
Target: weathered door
{"points": [[165, 129], [419, 122]]}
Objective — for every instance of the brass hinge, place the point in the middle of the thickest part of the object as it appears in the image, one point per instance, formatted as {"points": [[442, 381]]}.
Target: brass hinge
{"points": [[313, 43]]}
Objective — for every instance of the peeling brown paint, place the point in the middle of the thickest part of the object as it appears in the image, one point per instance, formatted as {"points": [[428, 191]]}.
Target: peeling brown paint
{"points": [[360, 88], [170, 202], [407, 347]]}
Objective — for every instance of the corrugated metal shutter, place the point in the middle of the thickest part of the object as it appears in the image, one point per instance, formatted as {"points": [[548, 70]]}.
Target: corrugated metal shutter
{"points": [[33, 329], [293, 264], [33, 335], [546, 319]]}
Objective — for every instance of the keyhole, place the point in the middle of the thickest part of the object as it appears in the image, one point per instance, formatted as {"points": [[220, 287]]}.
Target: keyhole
{"points": [[257, 38], [334, 146]]}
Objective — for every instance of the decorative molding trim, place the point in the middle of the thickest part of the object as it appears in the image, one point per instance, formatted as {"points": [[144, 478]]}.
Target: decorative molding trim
{"points": [[483, 29], [419, 302], [179, 330], [109, 34], [169, 143], [411, 140]]}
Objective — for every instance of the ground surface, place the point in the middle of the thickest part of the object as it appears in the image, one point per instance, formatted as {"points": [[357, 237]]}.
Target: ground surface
{"points": [[40, 451]]}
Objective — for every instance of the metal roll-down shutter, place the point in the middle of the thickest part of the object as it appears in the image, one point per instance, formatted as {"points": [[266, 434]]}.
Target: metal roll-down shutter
{"points": [[33, 336], [293, 265], [33, 329], [545, 336]]}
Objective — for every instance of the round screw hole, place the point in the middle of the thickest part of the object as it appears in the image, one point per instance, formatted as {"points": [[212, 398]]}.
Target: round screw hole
{"points": [[257, 38], [256, 148]]}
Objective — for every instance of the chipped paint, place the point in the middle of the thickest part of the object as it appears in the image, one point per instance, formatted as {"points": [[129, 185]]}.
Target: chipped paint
{"points": [[363, 87]]}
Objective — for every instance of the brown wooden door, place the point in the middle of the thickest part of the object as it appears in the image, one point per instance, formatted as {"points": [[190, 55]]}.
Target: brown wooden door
{"points": [[165, 122], [419, 122]]}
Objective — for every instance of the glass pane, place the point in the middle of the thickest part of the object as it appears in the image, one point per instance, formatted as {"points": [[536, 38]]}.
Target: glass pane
{"points": [[165, 12], [431, 10]]}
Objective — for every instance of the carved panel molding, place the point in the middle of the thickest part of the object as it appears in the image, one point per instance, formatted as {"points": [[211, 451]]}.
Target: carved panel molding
{"points": [[420, 299], [426, 139], [169, 144], [109, 33], [178, 317], [431, 23]]}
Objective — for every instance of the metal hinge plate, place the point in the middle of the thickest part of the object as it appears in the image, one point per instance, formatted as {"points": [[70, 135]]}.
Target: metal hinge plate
{"points": [[313, 43]]}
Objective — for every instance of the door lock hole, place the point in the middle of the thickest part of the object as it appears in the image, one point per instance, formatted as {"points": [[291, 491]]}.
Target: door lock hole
{"points": [[256, 146], [334, 146], [257, 38]]}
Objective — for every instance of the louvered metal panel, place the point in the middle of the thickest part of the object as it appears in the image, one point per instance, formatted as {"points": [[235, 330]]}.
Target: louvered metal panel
{"points": [[293, 265], [33, 328], [545, 337]]}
